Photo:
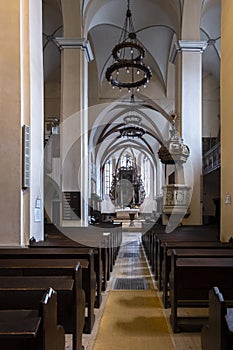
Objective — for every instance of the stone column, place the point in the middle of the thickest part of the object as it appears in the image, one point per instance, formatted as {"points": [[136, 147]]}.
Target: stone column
{"points": [[190, 105], [76, 53], [36, 120]]}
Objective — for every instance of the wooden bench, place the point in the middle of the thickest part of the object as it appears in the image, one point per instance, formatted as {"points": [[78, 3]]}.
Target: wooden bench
{"points": [[218, 333], [112, 238], [91, 237], [151, 240], [56, 239], [81, 254], [188, 235], [190, 282], [108, 237], [35, 328], [96, 265], [84, 255], [45, 265], [16, 291], [188, 249]]}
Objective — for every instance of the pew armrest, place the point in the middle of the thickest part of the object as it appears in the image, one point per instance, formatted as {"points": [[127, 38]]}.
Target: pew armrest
{"points": [[215, 335], [53, 334]]}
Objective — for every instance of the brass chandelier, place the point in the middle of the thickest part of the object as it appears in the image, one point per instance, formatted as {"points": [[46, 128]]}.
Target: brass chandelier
{"points": [[128, 69], [132, 121]]}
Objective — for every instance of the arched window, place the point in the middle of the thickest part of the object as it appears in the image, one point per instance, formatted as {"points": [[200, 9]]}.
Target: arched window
{"points": [[126, 160], [107, 176], [146, 175]]}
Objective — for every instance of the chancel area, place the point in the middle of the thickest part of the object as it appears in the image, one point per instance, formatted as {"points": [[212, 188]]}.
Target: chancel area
{"points": [[116, 174]]}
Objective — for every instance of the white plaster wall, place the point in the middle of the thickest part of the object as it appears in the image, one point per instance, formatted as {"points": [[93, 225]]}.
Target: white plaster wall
{"points": [[10, 120], [226, 119], [210, 107]]}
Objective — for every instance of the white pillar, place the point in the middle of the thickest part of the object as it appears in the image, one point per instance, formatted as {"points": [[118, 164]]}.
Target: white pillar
{"points": [[190, 75], [74, 131], [36, 121]]}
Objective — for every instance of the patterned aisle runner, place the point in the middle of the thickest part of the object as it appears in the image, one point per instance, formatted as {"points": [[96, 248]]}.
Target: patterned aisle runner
{"points": [[133, 316]]}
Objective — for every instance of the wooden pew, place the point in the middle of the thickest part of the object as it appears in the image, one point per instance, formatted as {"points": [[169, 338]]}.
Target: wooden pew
{"points": [[35, 329], [54, 237], [190, 234], [107, 258], [36, 265], [113, 232], [151, 240], [190, 282], [105, 248], [108, 236], [67, 245], [92, 236], [81, 254], [18, 290], [188, 249], [218, 333]]}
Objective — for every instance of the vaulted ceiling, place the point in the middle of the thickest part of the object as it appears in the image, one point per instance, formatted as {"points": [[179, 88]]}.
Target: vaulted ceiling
{"points": [[157, 24]]}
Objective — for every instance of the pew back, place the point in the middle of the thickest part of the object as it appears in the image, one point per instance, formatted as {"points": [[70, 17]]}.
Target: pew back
{"points": [[190, 281], [24, 291], [33, 329]]}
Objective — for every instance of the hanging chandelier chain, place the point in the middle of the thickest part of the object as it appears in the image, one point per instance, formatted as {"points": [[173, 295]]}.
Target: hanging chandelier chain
{"points": [[124, 33], [128, 28], [128, 69]]}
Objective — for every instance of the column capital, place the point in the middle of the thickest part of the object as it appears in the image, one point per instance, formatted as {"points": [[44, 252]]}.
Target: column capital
{"points": [[187, 46], [75, 43]]}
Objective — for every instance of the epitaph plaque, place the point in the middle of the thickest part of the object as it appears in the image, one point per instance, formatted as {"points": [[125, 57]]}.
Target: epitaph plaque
{"points": [[26, 139], [71, 206]]}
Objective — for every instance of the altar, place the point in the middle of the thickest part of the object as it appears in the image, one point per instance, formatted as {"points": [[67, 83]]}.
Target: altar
{"points": [[127, 214], [129, 218]]}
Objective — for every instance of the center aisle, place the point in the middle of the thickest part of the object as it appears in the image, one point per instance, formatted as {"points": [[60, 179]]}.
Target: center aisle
{"points": [[133, 317]]}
